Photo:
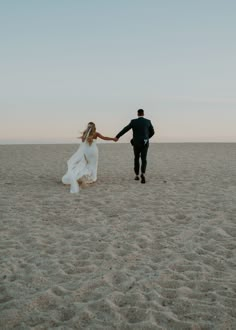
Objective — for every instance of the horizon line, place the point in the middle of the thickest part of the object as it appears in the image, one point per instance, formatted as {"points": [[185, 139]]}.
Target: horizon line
{"points": [[111, 142]]}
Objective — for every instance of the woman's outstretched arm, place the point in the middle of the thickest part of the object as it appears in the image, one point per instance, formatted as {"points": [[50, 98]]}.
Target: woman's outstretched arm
{"points": [[106, 138]]}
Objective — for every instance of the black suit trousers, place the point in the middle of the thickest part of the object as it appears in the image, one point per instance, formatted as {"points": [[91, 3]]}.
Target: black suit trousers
{"points": [[140, 151]]}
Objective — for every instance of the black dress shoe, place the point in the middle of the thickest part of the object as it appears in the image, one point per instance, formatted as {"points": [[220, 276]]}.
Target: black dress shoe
{"points": [[143, 180], [136, 178]]}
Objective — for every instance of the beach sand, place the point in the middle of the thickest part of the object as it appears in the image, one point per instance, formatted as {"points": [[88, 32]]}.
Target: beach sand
{"points": [[120, 254]]}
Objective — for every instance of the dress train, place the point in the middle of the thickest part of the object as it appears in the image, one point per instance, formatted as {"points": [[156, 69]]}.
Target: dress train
{"points": [[82, 165]]}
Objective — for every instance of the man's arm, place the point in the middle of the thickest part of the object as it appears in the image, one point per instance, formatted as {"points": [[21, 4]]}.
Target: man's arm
{"points": [[124, 130], [151, 130]]}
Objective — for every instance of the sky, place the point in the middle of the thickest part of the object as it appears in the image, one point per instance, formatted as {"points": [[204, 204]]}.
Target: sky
{"points": [[65, 63]]}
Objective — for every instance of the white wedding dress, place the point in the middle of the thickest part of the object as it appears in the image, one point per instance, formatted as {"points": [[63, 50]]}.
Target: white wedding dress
{"points": [[82, 165]]}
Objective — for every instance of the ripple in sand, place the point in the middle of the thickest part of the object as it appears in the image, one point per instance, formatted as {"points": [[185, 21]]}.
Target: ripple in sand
{"points": [[103, 310], [66, 313], [128, 299], [44, 302], [4, 295], [135, 314], [120, 280]]}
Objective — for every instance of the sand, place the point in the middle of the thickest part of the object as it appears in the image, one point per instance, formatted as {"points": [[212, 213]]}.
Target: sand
{"points": [[120, 254]]}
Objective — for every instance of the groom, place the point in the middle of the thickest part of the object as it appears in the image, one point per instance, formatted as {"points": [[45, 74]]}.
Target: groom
{"points": [[142, 132]]}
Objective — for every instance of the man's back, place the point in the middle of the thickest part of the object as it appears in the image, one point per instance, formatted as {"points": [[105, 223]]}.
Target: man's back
{"points": [[142, 129]]}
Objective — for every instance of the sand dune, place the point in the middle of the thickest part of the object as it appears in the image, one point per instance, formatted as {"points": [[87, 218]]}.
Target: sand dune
{"points": [[119, 255]]}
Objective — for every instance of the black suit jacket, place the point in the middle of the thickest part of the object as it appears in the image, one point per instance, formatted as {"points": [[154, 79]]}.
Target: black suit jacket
{"points": [[142, 130]]}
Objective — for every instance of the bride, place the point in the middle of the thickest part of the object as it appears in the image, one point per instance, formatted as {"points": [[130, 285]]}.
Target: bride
{"points": [[82, 166]]}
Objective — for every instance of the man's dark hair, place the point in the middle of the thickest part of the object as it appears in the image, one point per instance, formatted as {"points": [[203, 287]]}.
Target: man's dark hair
{"points": [[140, 112]]}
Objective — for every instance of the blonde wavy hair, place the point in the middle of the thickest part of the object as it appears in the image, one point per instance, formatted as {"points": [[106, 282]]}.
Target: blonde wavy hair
{"points": [[89, 133]]}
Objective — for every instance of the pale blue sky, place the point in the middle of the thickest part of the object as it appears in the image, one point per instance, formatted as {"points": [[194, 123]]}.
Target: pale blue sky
{"points": [[64, 63]]}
